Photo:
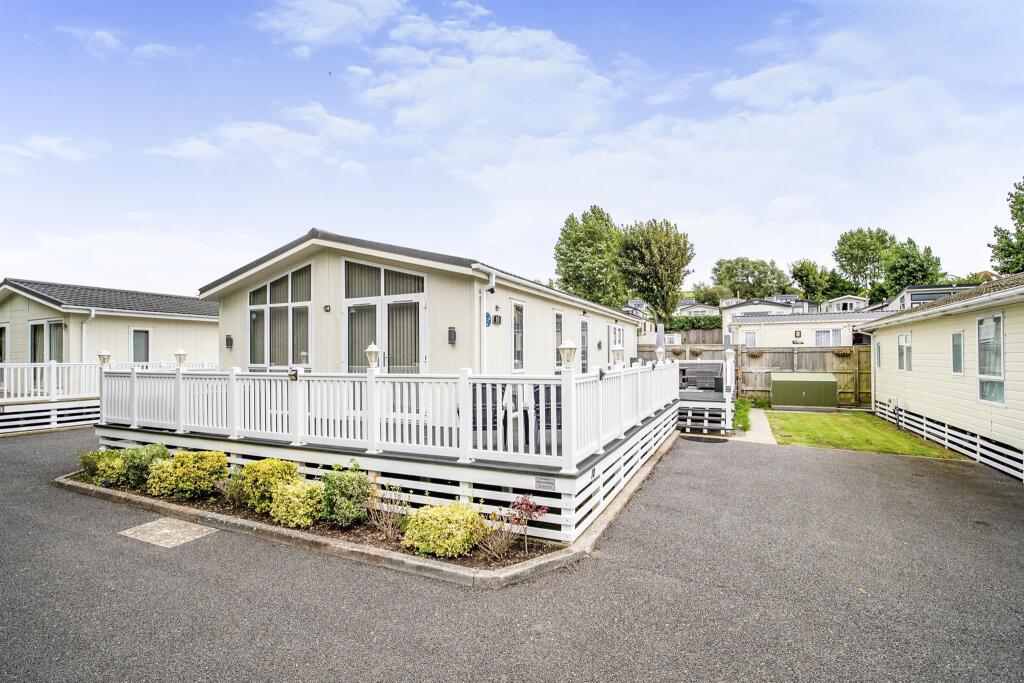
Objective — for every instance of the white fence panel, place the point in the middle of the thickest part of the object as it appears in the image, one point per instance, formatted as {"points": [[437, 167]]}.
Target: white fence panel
{"points": [[418, 412], [263, 406], [336, 410], [154, 398], [205, 402]]}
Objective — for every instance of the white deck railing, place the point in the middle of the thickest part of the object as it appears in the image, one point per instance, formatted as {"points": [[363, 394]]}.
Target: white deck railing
{"points": [[53, 381], [555, 420]]}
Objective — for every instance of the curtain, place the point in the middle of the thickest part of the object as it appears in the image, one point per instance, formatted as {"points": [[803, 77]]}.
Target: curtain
{"points": [[990, 347], [821, 337], [362, 331], [37, 351], [279, 291], [140, 346], [837, 337], [257, 337], [404, 337], [302, 284], [958, 353], [57, 341], [258, 297], [401, 283], [558, 339], [278, 334], [361, 281], [300, 335], [584, 350], [517, 337]]}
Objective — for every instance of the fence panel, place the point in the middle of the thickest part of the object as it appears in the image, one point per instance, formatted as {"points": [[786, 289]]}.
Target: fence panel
{"points": [[850, 364], [263, 406], [205, 402], [336, 406]]}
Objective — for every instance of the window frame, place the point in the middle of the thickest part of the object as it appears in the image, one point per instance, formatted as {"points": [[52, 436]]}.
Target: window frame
{"points": [[901, 356], [749, 332], [46, 323], [584, 350], [521, 305], [1002, 359], [5, 335], [616, 334], [963, 353], [558, 321], [878, 354], [828, 332], [131, 344], [290, 305]]}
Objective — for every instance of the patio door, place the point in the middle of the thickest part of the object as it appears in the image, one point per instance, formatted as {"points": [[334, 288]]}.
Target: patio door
{"points": [[385, 307]]}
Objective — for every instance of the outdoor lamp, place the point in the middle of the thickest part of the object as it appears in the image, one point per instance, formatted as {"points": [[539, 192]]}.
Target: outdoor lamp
{"points": [[104, 357], [617, 352], [372, 354], [567, 350], [660, 353], [180, 355]]}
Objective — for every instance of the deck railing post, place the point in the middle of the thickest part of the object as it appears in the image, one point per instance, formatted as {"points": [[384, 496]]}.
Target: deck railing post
{"points": [[465, 412], [599, 416], [639, 395], [622, 402], [297, 407], [133, 397], [372, 411], [568, 420], [179, 401], [51, 380], [101, 390], [232, 406]]}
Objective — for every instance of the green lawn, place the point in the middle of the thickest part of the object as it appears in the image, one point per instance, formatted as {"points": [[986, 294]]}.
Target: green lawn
{"points": [[852, 431]]}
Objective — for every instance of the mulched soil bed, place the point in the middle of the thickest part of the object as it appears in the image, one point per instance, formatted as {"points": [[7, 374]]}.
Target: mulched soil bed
{"points": [[363, 533]]}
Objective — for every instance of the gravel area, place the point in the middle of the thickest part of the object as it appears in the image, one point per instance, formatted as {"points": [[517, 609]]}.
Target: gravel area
{"points": [[733, 561]]}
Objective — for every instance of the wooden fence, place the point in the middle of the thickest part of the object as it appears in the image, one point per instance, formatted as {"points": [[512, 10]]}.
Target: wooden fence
{"points": [[850, 364]]}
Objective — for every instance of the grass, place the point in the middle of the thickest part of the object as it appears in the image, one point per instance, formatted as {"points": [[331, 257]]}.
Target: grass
{"points": [[741, 415], [852, 431]]}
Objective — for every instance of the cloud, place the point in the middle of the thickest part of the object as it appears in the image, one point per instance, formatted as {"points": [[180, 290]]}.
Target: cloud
{"points": [[311, 24], [470, 9], [160, 51], [319, 135], [96, 41], [774, 86], [57, 147]]}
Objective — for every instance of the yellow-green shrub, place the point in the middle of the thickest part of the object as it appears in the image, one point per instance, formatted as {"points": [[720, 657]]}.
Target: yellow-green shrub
{"points": [[444, 530], [89, 461], [345, 495], [189, 474], [110, 469], [138, 460], [298, 503], [259, 479]]}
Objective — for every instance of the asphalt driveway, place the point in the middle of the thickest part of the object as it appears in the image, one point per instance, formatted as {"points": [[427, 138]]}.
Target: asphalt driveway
{"points": [[734, 561]]}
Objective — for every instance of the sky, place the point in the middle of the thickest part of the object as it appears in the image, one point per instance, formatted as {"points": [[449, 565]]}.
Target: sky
{"points": [[159, 145]]}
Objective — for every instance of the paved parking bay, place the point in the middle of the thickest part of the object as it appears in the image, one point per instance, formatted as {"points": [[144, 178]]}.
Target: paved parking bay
{"points": [[734, 561]]}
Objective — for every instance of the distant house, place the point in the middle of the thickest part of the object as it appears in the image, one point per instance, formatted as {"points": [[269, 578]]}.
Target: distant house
{"points": [[49, 321], [847, 302], [952, 369], [801, 329], [916, 295], [753, 307], [694, 310]]}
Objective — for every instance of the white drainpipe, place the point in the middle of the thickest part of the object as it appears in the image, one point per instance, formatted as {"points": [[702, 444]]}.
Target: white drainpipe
{"points": [[483, 313], [92, 314]]}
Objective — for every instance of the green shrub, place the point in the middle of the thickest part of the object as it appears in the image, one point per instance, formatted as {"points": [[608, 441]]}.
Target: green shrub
{"points": [[345, 495], [110, 469], [231, 489], [297, 503], [763, 402], [695, 322], [259, 479], [161, 480], [189, 474], [138, 460], [444, 530], [89, 461]]}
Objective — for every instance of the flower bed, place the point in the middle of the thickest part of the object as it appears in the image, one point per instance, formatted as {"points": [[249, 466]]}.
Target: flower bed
{"points": [[342, 503]]}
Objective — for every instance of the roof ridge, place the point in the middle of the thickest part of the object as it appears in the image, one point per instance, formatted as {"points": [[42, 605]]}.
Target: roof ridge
{"points": [[23, 281]]}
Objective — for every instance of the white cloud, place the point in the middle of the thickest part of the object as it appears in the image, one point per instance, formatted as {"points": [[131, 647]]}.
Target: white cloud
{"points": [[188, 148], [310, 24], [97, 41], [775, 86], [160, 51], [470, 9], [57, 147]]}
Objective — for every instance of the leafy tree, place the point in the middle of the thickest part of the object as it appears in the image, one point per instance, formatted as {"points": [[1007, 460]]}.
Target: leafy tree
{"points": [[710, 295], [1008, 248], [750, 278], [907, 264], [586, 258], [860, 255], [811, 279], [653, 261]]}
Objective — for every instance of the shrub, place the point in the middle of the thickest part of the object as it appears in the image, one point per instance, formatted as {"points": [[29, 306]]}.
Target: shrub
{"points": [[345, 495], [231, 489], [523, 510], [110, 469], [502, 533], [259, 479], [297, 503], [89, 461], [189, 474], [388, 509], [138, 460], [444, 530], [763, 402]]}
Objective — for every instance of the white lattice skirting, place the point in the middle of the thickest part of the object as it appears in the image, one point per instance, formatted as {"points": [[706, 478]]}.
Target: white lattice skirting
{"points": [[1001, 456], [31, 417]]}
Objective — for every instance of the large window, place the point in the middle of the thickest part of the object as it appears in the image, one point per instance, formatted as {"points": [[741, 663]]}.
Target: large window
{"points": [[750, 338], [991, 384], [904, 355], [46, 341], [279, 320], [385, 307], [558, 338], [140, 345], [584, 347], [616, 337], [957, 352], [517, 337], [828, 337]]}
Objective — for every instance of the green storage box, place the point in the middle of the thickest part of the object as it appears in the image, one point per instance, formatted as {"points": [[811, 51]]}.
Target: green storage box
{"points": [[809, 389]]}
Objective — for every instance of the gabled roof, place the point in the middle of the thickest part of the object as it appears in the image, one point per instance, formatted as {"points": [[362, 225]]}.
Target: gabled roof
{"points": [[65, 296], [798, 318], [846, 296], [1011, 286], [768, 302]]}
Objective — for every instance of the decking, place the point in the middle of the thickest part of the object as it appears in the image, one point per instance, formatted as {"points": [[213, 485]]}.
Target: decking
{"points": [[707, 393]]}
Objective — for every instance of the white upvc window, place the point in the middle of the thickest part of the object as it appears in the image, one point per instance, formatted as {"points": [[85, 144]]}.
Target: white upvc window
{"points": [[558, 339], [616, 336], [3, 343], [279, 320], [991, 360], [878, 354], [46, 340], [956, 344], [584, 346], [518, 322], [904, 352], [138, 344], [750, 338], [832, 337]]}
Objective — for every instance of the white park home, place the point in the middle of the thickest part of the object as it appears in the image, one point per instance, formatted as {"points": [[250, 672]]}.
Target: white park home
{"points": [[847, 302], [319, 301], [952, 370], [49, 321], [801, 329]]}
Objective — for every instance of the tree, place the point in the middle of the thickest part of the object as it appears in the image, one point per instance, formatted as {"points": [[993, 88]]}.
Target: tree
{"points": [[750, 278], [907, 264], [586, 258], [811, 279], [1008, 248], [860, 255], [711, 295], [653, 261]]}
